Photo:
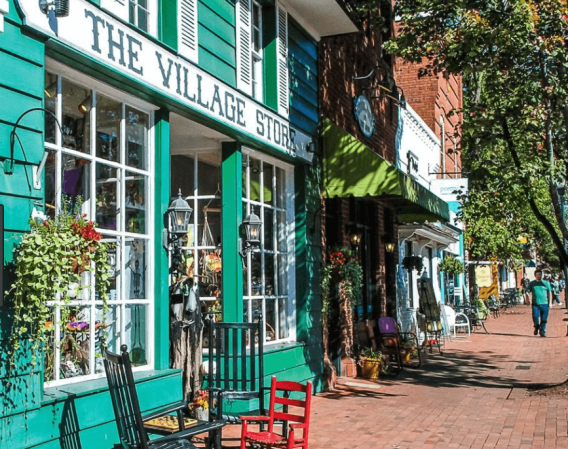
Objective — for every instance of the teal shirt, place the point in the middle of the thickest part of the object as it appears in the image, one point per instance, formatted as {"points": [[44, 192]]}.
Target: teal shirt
{"points": [[540, 291]]}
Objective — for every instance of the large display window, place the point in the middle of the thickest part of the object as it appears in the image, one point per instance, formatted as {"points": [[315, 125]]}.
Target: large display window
{"points": [[100, 159], [268, 272]]}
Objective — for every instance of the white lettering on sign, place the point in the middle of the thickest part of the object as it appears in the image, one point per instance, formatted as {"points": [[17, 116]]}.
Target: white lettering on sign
{"points": [[104, 38]]}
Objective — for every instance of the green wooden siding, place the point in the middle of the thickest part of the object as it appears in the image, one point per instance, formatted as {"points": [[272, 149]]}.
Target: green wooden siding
{"points": [[72, 417], [302, 63], [217, 39]]}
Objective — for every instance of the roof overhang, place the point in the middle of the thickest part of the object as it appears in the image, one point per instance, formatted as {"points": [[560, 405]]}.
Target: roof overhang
{"points": [[321, 17]]}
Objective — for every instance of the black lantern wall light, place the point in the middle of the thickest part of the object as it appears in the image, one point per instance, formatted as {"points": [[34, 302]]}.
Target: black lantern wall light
{"points": [[177, 220], [251, 224]]}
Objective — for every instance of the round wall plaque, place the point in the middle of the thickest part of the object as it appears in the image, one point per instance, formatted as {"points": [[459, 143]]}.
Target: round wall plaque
{"points": [[364, 115]]}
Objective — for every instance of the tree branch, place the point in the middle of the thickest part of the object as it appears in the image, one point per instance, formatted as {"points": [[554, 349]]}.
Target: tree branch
{"points": [[538, 215]]}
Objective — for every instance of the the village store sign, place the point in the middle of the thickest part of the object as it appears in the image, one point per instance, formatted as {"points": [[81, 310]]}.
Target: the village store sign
{"points": [[106, 39]]}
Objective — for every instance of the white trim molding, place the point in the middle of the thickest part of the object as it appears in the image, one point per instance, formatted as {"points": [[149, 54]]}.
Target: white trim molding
{"points": [[4, 9]]}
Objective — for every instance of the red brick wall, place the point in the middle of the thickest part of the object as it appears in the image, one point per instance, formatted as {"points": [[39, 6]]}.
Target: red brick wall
{"points": [[341, 59], [433, 97]]}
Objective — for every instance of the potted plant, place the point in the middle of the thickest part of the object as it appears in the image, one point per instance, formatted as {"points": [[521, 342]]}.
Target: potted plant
{"points": [[372, 363], [200, 405], [451, 266], [413, 263], [50, 264]]}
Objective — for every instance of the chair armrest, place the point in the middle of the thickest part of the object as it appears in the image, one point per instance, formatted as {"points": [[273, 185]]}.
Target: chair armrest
{"points": [[165, 411], [298, 426], [254, 418]]}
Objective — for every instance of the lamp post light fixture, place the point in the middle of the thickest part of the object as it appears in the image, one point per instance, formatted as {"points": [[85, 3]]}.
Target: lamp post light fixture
{"points": [[356, 240], [179, 214], [389, 247], [251, 224]]}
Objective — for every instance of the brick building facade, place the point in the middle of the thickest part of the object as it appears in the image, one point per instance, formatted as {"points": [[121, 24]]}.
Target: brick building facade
{"points": [[435, 98]]}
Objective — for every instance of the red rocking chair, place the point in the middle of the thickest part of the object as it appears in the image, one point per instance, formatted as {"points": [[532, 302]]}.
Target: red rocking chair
{"points": [[301, 421]]}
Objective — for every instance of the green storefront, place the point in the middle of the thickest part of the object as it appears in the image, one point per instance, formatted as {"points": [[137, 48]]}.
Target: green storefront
{"points": [[217, 98]]}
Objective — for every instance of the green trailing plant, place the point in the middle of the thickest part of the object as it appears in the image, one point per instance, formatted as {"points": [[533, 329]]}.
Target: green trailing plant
{"points": [[342, 268], [371, 354], [49, 265], [451, 265], [413, 263]]}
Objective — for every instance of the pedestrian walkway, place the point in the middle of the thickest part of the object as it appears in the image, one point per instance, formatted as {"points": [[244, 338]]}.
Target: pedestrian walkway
{"points": [[473, 396]]}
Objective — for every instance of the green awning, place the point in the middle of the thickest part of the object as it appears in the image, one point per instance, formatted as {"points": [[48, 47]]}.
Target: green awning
{"points": [[352, 169]]}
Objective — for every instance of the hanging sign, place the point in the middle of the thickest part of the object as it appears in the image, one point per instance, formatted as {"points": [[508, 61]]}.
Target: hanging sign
{"points": [[109, 41], [364, 115]]}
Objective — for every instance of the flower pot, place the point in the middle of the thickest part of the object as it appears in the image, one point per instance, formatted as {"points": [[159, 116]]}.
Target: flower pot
{"points": [[370, 368], [200, 413]]}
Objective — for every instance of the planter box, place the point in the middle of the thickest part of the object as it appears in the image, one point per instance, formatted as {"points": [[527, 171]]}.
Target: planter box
{"points": [[371, 368]]}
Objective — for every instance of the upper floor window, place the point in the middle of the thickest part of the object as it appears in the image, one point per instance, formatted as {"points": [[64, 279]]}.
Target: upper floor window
{"points": [[140, 13]]}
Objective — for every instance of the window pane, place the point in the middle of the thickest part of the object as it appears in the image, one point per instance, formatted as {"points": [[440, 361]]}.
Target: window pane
{"points": [[135, 203], [107, 328], [49, 176], [282, 274], [269, 274], [136, 138], [75, 118], [256, 275], [115, 263], [283, 318], [136, 276], [268, 172], [136, 329], [268, 228], [281, 196], [75, 179], [270, 320], [75, 346], [107, 191], [109, 115], [282, 235]]}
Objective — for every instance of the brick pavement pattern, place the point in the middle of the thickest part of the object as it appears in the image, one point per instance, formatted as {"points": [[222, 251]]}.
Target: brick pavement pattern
{"points": [[473, 396]]}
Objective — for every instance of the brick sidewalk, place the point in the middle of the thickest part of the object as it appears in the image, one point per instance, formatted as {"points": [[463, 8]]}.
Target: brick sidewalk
{"points": [[473, 396]]}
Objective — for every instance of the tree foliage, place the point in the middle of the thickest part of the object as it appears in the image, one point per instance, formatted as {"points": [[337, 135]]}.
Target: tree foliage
{"points": [[513, 58]]}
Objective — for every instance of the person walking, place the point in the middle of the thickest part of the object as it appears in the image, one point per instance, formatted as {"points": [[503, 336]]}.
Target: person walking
{"points": [[555, 291], [525, 282], [540, 303]]}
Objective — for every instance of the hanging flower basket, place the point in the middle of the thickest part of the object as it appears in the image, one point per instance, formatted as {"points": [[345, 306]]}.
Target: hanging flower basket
{"points": [[451, 266], [413, 263]]}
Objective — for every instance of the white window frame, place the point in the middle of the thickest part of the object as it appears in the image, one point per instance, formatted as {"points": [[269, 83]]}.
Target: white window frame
{"points": [[257, 57], [259, 208], [89, 207], [121, 9]]}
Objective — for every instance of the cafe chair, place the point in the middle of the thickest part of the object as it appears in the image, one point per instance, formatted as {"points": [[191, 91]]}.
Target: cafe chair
{"points": [[295, 422], [130, 422]]}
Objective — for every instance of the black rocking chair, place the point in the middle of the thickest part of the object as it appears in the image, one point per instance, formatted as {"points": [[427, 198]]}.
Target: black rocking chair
{"points": [[236, 368], [130, 422]]}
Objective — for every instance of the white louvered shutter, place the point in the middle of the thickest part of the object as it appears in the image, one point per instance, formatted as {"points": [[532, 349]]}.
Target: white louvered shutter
{"points": [[282, 61], [244, 46], [187, 30]]}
